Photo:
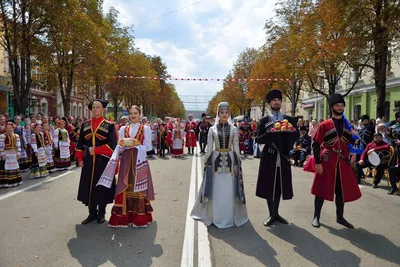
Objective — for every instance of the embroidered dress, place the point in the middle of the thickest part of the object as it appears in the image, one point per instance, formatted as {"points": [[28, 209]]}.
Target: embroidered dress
{"points": [[28, 133], [177, 143], [10, 147], [221, 199], [39, 160], [135, 186], [48, 143], [62, 154], [23, 160], [190, 134]]}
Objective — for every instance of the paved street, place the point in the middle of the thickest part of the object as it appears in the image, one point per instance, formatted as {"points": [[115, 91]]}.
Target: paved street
{"points": [[41, 227]]}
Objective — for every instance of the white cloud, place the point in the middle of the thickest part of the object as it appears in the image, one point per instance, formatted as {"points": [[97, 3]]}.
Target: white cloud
{"points": [[200, 41]]}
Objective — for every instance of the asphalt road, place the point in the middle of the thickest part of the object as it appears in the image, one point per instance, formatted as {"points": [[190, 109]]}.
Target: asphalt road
{"points": [[40, 226]]}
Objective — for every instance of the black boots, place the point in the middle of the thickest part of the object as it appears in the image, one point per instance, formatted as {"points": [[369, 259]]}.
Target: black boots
{"points": [[273, 207], [92, 215], [96, 215], [339, 212], [318, 202], [392, 191], [102, 213]]}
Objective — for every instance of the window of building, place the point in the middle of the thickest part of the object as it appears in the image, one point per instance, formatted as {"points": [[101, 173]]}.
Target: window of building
{"points": [[357, 112], [44, 107], [321, 111], [356, 72], [80, 111], [74, 111]]}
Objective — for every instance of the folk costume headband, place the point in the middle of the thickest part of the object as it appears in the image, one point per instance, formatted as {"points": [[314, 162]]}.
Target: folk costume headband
{"points": [[221, 106]]}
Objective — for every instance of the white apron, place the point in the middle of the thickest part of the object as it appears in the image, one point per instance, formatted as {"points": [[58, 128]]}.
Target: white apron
{"points": [[49, 154], [64, 150], [41, 156], [11, 160]]}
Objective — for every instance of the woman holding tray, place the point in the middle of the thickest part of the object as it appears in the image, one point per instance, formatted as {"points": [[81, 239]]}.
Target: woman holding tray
{"points": [[135, 186]]}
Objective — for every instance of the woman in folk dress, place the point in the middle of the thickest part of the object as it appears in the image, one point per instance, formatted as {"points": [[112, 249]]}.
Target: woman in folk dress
{"points": [[39, 160], [135, 186], [10, 151], [221, 200], [20, 130], [48, 143], [62, 154], [177, 142]]}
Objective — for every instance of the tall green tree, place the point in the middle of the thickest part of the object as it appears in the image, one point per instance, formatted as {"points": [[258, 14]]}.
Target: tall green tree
{"points": [[382, 18], [22, 22]]}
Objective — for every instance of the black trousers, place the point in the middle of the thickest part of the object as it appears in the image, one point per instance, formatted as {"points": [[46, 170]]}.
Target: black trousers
{"points": [[394, 174], [318, 202], [273, 204], [380, 170], [101, 210]]}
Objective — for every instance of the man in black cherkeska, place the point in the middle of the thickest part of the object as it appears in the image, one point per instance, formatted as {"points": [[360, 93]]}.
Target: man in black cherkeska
{"points": [[275, 175], [202, 128], [97, 140]]}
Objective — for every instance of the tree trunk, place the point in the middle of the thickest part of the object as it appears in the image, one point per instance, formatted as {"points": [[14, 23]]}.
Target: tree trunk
{"points": [[98, 91], [116, 104], [381, 44]]}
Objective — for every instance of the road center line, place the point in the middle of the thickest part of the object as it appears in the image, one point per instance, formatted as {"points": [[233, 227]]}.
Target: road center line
{"points": [[33, 186], [203, 246], [188, 243]]}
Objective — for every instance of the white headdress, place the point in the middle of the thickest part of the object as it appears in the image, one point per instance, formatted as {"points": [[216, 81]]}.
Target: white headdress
{"points": [[223, 105]]}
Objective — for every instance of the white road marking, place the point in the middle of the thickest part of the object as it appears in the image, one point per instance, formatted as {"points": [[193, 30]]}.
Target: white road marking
{"points": [[202, 239], [33, 186], [188, 243]]}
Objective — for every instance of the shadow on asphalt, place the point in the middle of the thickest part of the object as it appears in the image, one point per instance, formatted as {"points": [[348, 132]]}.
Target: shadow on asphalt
{"points": [[313, 248], [247, 241], [98, 244], [375, 244]]}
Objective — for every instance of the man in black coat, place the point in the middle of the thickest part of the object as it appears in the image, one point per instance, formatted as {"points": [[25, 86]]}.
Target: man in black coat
{"points": [[97, 140], [275, 175]]}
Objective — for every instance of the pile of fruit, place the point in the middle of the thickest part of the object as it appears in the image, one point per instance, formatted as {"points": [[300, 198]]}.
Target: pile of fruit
{"points": [[283, 126]]}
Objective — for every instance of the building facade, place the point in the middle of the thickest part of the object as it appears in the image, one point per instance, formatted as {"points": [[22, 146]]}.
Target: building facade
{"points": [[361, 100]]}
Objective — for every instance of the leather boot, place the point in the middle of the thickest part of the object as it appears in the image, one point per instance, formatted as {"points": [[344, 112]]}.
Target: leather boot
{"points": [[318, 202], [92, 215], [102, 213], [279, 218], [339, 212], [272, 218], [192, 150]]}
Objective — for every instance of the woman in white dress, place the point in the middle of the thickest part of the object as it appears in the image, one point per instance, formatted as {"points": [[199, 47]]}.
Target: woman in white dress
{"points": [[221, 200]]}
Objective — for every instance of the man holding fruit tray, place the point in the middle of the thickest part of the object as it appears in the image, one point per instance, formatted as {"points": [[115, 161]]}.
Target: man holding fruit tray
{"points": [[276, 136]]}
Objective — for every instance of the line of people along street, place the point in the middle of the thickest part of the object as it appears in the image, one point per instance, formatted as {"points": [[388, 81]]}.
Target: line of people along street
{"points": [[335, 150]]}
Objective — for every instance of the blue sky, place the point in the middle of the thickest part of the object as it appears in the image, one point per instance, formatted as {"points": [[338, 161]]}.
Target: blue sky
{"points": [[200, 41]]}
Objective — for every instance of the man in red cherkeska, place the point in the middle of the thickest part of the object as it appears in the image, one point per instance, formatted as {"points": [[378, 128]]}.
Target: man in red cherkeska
{"points": [[334, 172], [97, 140], [191, 141]]}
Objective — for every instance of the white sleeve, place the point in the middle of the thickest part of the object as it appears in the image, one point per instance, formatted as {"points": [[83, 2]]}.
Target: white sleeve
{"points": [[235, 143], [55, 137], [121, 132], [147, 138], [33, 143]]}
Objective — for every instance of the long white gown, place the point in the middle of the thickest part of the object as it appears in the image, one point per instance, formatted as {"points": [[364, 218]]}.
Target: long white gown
{"points": [[223, 209]]}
